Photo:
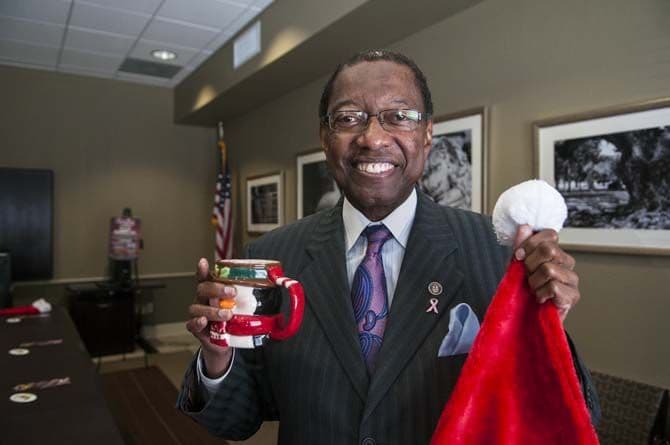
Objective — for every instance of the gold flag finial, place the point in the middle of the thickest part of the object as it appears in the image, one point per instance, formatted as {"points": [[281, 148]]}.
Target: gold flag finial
{"points": [[222, 147]]}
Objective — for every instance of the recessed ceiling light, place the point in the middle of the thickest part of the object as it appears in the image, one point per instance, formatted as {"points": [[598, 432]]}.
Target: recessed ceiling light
{"points": [[163, 54]]}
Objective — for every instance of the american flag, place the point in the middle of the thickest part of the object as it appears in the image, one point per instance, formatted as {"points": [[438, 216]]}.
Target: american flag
{"points": [[222, 213]]}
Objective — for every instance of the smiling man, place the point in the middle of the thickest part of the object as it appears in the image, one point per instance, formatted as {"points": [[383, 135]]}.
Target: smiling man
{"points": [[387, 273]]}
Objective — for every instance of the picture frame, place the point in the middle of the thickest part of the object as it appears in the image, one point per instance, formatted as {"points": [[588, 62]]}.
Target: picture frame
{"points": [[316, 188], [265, 202], [611, 166], [455, 173]]}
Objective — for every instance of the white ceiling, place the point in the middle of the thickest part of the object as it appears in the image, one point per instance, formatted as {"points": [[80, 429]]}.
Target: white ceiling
{"points": [[93, 37]]}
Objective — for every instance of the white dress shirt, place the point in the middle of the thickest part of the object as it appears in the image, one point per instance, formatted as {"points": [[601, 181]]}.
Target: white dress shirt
{"points": [[399, 222]]}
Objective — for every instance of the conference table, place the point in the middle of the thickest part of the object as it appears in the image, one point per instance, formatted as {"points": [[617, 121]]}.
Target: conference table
{"points": [[72, 413]]}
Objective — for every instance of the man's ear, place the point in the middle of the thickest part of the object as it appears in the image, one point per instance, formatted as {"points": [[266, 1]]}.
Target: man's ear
{"points": [[428, 137], [323, 136]]}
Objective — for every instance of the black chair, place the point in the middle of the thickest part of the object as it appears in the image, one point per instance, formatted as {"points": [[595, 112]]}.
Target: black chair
{"points": [[633, 413]]}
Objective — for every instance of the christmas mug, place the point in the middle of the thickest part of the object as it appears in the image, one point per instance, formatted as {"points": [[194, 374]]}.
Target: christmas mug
{"points": [[256, 306]]}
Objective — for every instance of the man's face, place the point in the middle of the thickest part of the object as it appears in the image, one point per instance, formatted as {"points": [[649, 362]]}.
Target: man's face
{"points": [[375, 168]]}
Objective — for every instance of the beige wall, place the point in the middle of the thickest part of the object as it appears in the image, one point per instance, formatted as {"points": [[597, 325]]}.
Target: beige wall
{"points": [[112, 144], [525, 60]]}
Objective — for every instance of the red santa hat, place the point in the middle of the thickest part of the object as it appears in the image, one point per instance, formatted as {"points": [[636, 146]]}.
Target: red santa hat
{"points": [[519, 385], [38, 307]]}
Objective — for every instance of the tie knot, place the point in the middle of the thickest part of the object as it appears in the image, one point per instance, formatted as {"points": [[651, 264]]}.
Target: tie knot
{"points": [[377, 236]]}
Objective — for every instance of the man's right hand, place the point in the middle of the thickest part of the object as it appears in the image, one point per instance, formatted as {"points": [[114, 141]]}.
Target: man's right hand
{"points": [[206, 309]]}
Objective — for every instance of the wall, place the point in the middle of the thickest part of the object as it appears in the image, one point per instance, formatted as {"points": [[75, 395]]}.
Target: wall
{"points": [[526, 61], [111, 145]]}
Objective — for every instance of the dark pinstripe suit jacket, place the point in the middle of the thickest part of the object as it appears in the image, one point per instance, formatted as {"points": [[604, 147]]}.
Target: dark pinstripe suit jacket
{"points": [[316, 383]]}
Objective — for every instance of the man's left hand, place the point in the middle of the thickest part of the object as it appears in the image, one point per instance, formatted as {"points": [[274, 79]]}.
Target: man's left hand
{"points": [[550, 268]]}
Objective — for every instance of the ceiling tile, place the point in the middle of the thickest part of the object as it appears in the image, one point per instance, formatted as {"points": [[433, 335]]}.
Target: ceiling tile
{"points": [[110, 20], [90, 60], [73, 69], [31, 32], [111, 44], [102, 33], [243, 3], [23, 52], [202, 12], [142, 6], [52, 11], [144, 47], [262, 4], [161, 30], [241, 21]]}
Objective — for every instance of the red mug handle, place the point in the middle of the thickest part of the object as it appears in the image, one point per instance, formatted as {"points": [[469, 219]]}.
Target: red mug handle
{"points": [[282, 330]]}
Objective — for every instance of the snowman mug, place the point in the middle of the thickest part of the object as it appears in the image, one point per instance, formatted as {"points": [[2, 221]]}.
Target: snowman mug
{"points": [[256, 306]]}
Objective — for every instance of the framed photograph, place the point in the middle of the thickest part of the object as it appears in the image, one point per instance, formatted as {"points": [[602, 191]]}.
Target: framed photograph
{"points": [[455, 171], [613, 169], [265, 202], [317, 189]]}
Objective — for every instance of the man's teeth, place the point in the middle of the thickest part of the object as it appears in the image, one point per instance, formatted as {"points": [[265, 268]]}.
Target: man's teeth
{"points": [[377, 167]]}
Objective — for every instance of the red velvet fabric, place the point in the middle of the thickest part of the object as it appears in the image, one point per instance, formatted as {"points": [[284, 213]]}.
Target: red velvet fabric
{"points": [[518, 385], [20, 310]]}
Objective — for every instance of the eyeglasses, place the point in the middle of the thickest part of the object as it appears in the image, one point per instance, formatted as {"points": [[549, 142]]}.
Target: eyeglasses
{"points": [[351, 121]]}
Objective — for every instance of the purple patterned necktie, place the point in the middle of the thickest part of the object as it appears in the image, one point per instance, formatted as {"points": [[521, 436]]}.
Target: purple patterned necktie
{"points": [[369, 295]]}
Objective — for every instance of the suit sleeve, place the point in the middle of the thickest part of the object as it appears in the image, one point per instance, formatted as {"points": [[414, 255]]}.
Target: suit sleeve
{"points": [[241, 403], [586, 383], [237, 409]]}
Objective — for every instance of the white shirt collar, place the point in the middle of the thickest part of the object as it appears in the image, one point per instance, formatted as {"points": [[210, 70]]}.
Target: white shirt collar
{"points": [[399, 221]]}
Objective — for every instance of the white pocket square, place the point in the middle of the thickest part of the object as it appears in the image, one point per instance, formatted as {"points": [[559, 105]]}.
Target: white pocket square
{"points": [[463, 328]]}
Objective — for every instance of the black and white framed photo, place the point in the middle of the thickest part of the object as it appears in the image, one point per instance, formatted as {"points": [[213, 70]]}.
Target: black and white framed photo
{"points": [[613, 169], [455, 171], [317, 189], [265, 202]]}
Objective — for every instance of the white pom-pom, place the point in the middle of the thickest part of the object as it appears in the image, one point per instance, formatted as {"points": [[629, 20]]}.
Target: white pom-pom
{"points": [[533, 202], [42, 305]]}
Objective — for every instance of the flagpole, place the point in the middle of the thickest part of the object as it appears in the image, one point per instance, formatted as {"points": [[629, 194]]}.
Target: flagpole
{"points": [[222, 146], [222, 216]]}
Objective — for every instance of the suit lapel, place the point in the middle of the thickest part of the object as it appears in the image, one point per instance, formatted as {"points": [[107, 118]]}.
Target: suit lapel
{"points": [[430, 257], [327, 293]]}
